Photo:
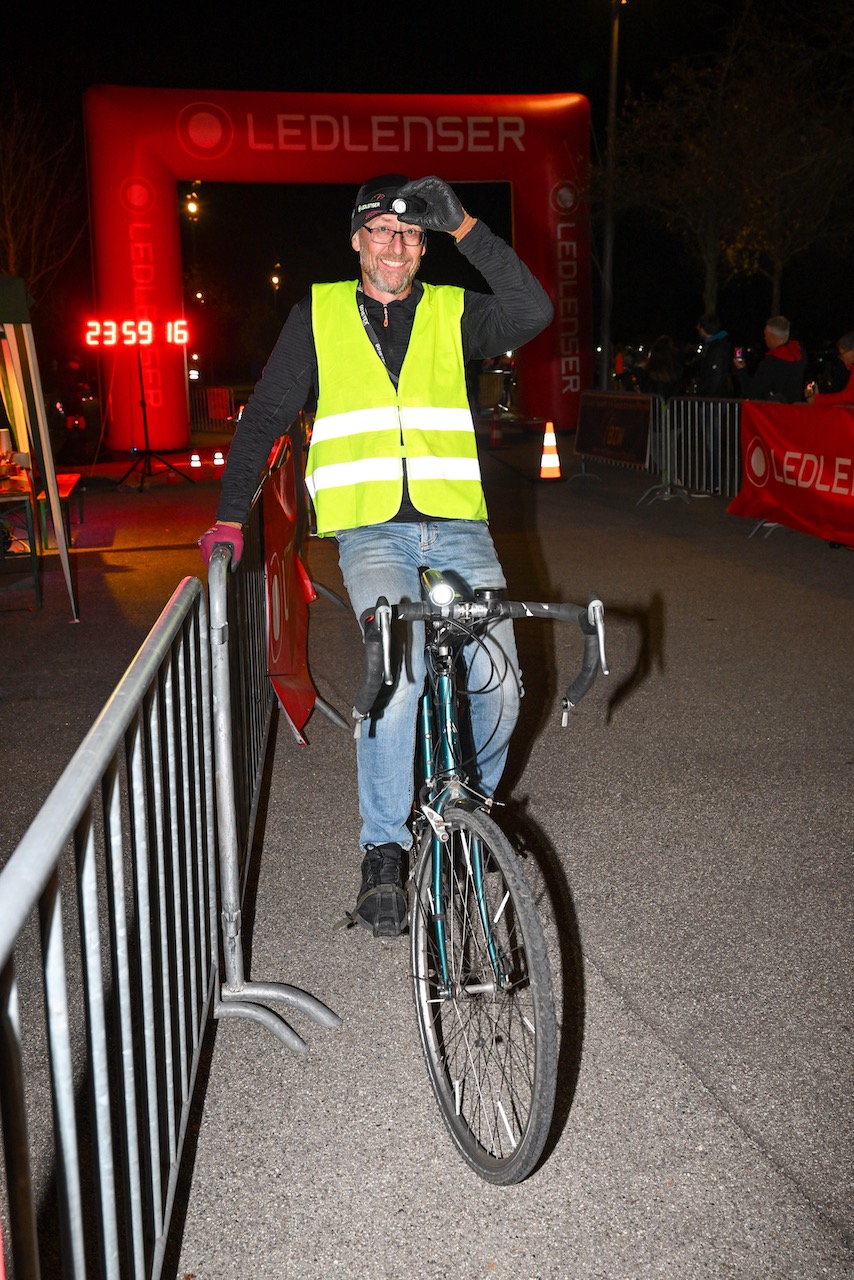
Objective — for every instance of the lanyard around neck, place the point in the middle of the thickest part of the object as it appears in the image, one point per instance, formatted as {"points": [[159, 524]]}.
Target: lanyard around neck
{"points": [[370, 331]]}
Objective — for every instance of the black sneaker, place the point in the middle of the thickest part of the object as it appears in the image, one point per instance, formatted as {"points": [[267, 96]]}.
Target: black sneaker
{"points": [[381, 905]]}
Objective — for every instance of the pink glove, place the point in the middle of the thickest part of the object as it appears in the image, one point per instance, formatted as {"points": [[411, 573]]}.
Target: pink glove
{"points": [[222, 533]]}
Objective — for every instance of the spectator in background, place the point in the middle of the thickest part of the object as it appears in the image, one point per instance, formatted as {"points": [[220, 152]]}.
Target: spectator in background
{"points": [[73, 390], [662, 373], [619, 366], [624, 363], [845, 347], [713, 370], [780, 374]]}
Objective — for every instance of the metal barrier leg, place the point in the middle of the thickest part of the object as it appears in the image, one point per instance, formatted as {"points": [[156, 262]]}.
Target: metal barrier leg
{"points": [[664, 491], [238, 997], [583, 473], [330, 595], [320, 703], [331, 714], [768, 525], [248, 1002]]}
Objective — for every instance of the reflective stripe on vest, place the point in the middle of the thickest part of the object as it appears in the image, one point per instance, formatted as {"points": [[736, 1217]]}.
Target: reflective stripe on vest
{"points": [[364, 429]]}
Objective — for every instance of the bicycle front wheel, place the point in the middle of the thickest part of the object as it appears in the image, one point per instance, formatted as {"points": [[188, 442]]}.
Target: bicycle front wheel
{"points": [[484, 997]]}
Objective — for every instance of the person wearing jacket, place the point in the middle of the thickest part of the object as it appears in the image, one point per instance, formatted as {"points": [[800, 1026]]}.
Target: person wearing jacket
{"points": [[393, 471], [845, 395], [713, 368], [780, 374]]}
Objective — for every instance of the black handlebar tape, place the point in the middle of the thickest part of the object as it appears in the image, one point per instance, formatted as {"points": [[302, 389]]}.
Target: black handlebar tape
{"points": [[534, 609], [589, 665], [411, 610], [373, 677]]}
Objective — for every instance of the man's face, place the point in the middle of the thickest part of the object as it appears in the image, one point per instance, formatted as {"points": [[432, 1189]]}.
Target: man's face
{"points": [[387, 269]]}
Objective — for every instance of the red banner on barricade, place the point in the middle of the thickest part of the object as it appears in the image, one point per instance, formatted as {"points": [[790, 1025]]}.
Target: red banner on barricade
{"points": [[798, 468], [289, 592]]}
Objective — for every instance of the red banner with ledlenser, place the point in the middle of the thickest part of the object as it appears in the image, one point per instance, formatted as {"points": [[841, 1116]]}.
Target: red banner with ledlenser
{"points": [[798, 468]]}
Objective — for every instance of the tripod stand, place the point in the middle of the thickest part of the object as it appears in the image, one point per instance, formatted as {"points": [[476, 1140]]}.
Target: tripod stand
{"points": [[145, 455]]}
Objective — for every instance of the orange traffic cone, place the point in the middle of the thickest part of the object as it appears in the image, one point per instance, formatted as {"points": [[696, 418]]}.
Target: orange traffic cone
{"points": [[550, 463], [495, 437]]}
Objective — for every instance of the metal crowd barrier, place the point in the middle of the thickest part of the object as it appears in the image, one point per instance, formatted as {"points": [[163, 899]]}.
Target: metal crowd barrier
{"points": [[694, 447], [109, 955], [101, 1028]]}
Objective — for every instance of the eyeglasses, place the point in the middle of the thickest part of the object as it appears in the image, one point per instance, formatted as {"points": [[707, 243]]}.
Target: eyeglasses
{"points": [[411, 237]]}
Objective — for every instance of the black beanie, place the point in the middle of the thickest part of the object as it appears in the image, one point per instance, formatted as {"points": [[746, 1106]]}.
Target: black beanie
{"points": [[372, 198]]}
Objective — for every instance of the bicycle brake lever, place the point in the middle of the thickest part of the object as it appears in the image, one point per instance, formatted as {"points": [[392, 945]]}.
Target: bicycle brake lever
{"points": [[596, 618], [383, 616]]}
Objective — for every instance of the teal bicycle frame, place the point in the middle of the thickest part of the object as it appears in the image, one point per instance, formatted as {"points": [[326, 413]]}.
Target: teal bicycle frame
{"points": [[443, 783]]}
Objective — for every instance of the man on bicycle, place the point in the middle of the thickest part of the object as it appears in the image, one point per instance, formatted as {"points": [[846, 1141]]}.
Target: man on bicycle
{"points": [[393, 472]]}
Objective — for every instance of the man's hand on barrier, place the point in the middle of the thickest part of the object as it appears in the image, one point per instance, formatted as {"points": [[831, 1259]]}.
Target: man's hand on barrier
{"points": [[444, 211], [222, 531]]}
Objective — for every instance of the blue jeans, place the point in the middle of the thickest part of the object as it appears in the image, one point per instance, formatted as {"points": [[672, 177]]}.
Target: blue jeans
{"points": [[383, 560]]}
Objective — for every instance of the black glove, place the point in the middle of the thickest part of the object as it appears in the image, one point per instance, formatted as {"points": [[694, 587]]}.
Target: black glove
{"points": [[444, 211]]}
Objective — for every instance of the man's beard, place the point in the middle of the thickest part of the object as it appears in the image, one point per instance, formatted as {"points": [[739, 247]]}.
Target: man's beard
{"points": [[394, 282]]}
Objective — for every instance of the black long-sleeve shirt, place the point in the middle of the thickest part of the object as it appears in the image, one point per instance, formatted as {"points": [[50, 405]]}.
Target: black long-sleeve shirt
{"points": [[516, 311]]}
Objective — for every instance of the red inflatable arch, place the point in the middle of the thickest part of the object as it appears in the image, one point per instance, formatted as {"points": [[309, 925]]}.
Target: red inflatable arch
{"points": [[142, 141]]}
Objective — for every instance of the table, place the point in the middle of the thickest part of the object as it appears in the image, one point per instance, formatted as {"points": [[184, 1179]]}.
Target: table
{"points": [[16, 495], [67, 483]]}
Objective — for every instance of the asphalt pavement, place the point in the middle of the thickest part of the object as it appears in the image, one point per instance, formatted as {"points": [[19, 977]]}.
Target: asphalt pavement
{"points": [[689, 838]]}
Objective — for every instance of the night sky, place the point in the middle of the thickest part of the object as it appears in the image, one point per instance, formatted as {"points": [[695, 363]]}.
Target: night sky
{"points": [[539, 47]]}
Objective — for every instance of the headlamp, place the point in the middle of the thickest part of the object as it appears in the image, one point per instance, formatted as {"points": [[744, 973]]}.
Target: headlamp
{"points": [[397, 205]]}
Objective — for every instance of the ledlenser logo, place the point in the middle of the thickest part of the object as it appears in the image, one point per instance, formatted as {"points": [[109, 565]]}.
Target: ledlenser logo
{"points": [[205, 130], [758, 463]]}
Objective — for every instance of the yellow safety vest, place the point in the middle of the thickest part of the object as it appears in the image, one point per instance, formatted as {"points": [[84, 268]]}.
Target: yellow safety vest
{"points": [[364, 427]]}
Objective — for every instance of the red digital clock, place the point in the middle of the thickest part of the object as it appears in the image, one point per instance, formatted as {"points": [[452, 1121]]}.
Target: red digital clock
{"points": [[135, 333]]}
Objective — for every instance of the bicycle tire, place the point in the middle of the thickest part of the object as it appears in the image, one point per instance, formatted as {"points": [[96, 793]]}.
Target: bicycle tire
{"points": [[490, 1045]]}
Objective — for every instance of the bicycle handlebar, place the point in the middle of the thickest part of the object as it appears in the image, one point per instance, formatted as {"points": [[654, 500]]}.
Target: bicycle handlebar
{"points": [[486, 606]]}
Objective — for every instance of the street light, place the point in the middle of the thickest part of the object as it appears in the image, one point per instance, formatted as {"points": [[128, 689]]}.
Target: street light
{"points": [[192, 209], [608, 229], [192, 204]]}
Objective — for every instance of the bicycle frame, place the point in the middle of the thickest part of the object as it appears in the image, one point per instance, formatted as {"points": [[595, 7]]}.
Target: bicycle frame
{"points": [[442, 782]]}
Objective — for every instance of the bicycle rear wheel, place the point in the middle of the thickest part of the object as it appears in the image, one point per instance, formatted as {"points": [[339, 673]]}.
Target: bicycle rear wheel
{"points": [[484, 997]]}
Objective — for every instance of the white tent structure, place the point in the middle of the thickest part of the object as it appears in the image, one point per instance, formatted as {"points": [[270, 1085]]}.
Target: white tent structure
{"points": [[23, 400]]}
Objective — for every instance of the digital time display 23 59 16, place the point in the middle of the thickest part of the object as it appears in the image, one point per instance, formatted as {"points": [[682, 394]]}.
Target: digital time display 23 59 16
{"points": [[135, 333]]}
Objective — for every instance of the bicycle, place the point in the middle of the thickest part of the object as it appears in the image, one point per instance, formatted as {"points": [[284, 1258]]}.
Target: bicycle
{"points": [[480, 970]]}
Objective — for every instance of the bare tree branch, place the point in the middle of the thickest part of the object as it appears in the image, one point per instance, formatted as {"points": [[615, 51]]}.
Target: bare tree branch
{"points": [[748, 157], [42, 196]]}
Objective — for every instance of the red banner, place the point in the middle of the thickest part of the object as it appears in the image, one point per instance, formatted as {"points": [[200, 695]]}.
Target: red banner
{"points": [[798, 468], [289, 591]]}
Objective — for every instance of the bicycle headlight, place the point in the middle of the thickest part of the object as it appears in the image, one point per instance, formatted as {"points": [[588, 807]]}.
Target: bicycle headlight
{"points": [[440, 592]]}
